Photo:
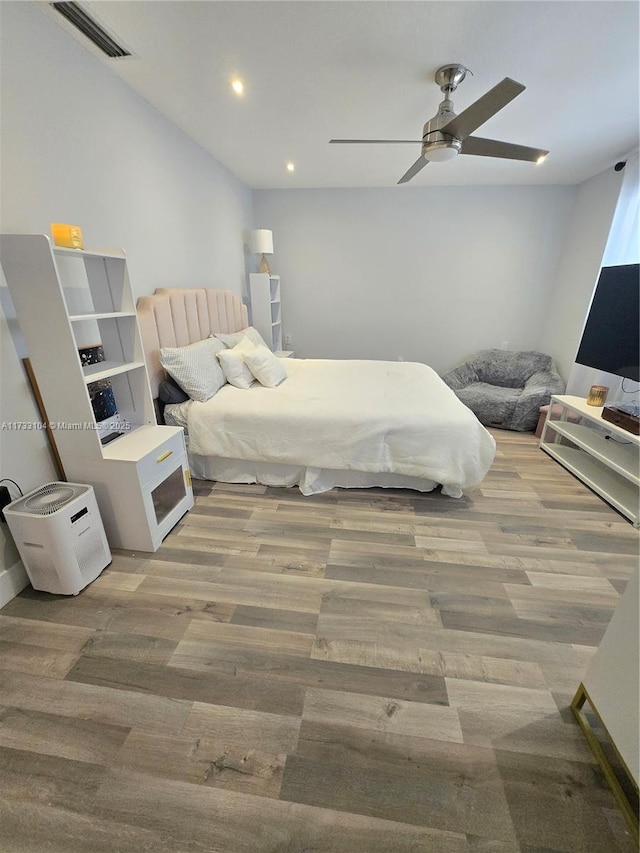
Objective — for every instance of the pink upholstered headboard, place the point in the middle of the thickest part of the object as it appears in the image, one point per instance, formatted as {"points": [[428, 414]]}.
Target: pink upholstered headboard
{"points": [[175, 317]]}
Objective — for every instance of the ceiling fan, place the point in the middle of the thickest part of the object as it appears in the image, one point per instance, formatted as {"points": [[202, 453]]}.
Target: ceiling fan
{"points": [[446, 134]]}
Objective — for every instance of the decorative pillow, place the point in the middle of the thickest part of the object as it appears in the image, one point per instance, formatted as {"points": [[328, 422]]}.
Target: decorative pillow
{"points": [[170, 392], [232, 362], [195, 368], [231, 339], [265, 366]]}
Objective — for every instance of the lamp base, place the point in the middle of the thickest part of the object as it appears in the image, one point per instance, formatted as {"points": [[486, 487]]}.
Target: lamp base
{"points": [[264, 266]]}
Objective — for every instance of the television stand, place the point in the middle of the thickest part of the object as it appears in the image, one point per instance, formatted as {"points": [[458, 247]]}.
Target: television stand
{"points": [[603, 456]]}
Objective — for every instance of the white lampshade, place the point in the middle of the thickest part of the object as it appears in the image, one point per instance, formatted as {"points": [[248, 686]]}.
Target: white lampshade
{"points": [[262, 240], [262, 244]]}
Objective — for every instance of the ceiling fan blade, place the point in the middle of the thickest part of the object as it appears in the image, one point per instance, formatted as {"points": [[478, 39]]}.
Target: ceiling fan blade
{"points": [[413, 171], [377, 141], [492, 148], [482, 109]]}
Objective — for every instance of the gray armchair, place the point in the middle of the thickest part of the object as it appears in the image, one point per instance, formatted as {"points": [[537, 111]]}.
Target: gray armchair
{"points": [[506, 389]]}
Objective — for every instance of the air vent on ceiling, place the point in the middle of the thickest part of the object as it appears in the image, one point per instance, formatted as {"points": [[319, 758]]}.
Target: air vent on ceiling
{"points": [[76, 15]]}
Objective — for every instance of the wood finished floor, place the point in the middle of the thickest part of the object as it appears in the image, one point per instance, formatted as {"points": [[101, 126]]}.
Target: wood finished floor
{"points": [[361, 671]]}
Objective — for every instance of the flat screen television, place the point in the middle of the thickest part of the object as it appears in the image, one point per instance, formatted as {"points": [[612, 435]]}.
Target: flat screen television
{"points": [[611, 336]]}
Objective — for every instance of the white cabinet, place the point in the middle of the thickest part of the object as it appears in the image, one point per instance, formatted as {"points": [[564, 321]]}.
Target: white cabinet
{"points": [[142, 484], [602, 455], [266, 312], [76, 310]]}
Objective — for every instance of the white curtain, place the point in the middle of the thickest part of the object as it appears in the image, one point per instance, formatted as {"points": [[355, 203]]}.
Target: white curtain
{"points": [[623, 247]]}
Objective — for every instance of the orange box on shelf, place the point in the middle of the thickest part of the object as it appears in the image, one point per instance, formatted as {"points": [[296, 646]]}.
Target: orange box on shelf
{"points": [[68, 236]]}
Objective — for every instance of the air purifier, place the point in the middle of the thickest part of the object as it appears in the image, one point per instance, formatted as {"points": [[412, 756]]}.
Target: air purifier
{"points": [[60, 536]]}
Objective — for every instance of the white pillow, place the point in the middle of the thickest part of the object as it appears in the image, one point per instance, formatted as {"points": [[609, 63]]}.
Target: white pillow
{"points": [[195, 368], [231, 339], [232, 362], [265, 366]]}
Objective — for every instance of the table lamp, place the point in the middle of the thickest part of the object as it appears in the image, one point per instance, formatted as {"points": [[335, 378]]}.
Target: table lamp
{"points": [[262, 245]]}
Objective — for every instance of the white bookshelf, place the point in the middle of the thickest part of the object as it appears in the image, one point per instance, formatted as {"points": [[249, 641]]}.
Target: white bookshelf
{"points": [[67, 300], [266, 309]]}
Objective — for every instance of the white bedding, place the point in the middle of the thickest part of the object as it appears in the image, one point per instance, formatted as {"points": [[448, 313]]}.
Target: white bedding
{"points": [[369, 416]]}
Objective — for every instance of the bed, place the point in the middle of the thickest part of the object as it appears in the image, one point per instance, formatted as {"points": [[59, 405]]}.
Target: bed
{"points": [[330, 423]]}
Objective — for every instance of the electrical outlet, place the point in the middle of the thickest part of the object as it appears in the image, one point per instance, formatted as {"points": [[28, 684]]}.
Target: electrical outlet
{"points": [[287, 340]]}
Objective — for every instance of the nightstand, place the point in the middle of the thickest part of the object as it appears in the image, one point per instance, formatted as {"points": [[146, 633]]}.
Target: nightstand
{"points": [[284, 353], [142, 484]]}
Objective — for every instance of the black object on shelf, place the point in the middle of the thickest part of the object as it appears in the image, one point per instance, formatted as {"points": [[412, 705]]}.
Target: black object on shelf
{"points": [[103, 401], [111, 436], [622, 419]]}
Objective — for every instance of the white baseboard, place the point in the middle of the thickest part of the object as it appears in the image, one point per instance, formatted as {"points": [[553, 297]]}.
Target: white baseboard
{"points": [[12, 581]]}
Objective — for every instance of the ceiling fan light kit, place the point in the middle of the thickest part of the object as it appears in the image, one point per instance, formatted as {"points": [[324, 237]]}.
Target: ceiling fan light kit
{"points": [[447, 135], [440, 152]]}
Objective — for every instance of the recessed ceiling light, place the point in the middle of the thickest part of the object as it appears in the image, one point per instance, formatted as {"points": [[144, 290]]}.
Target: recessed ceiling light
{"points": [[291, 167], [238, 86]]}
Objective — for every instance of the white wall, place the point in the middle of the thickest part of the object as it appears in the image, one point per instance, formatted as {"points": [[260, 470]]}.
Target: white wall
{"points": [[429, 274], [576, 277], [79, 146]]}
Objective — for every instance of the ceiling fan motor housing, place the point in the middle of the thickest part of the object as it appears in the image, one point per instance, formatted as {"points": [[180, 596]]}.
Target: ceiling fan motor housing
{"points": [[437, 146]]}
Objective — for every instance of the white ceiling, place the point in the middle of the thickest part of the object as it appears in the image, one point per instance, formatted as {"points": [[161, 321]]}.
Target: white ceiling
{"points": [[354, 68]]}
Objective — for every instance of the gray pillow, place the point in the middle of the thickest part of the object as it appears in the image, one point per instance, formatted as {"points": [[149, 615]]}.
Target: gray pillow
{"points": [[170, 392]]}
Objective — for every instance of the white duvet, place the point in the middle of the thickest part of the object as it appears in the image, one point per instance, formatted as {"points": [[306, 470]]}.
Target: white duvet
{"points": [[373, 416]]}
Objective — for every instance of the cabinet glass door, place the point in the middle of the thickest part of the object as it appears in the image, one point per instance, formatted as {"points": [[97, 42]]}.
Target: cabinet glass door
{"points": [[168, 494]]}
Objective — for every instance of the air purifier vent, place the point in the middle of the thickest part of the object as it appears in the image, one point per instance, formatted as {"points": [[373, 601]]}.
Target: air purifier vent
{"points": [[50, 499]]}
